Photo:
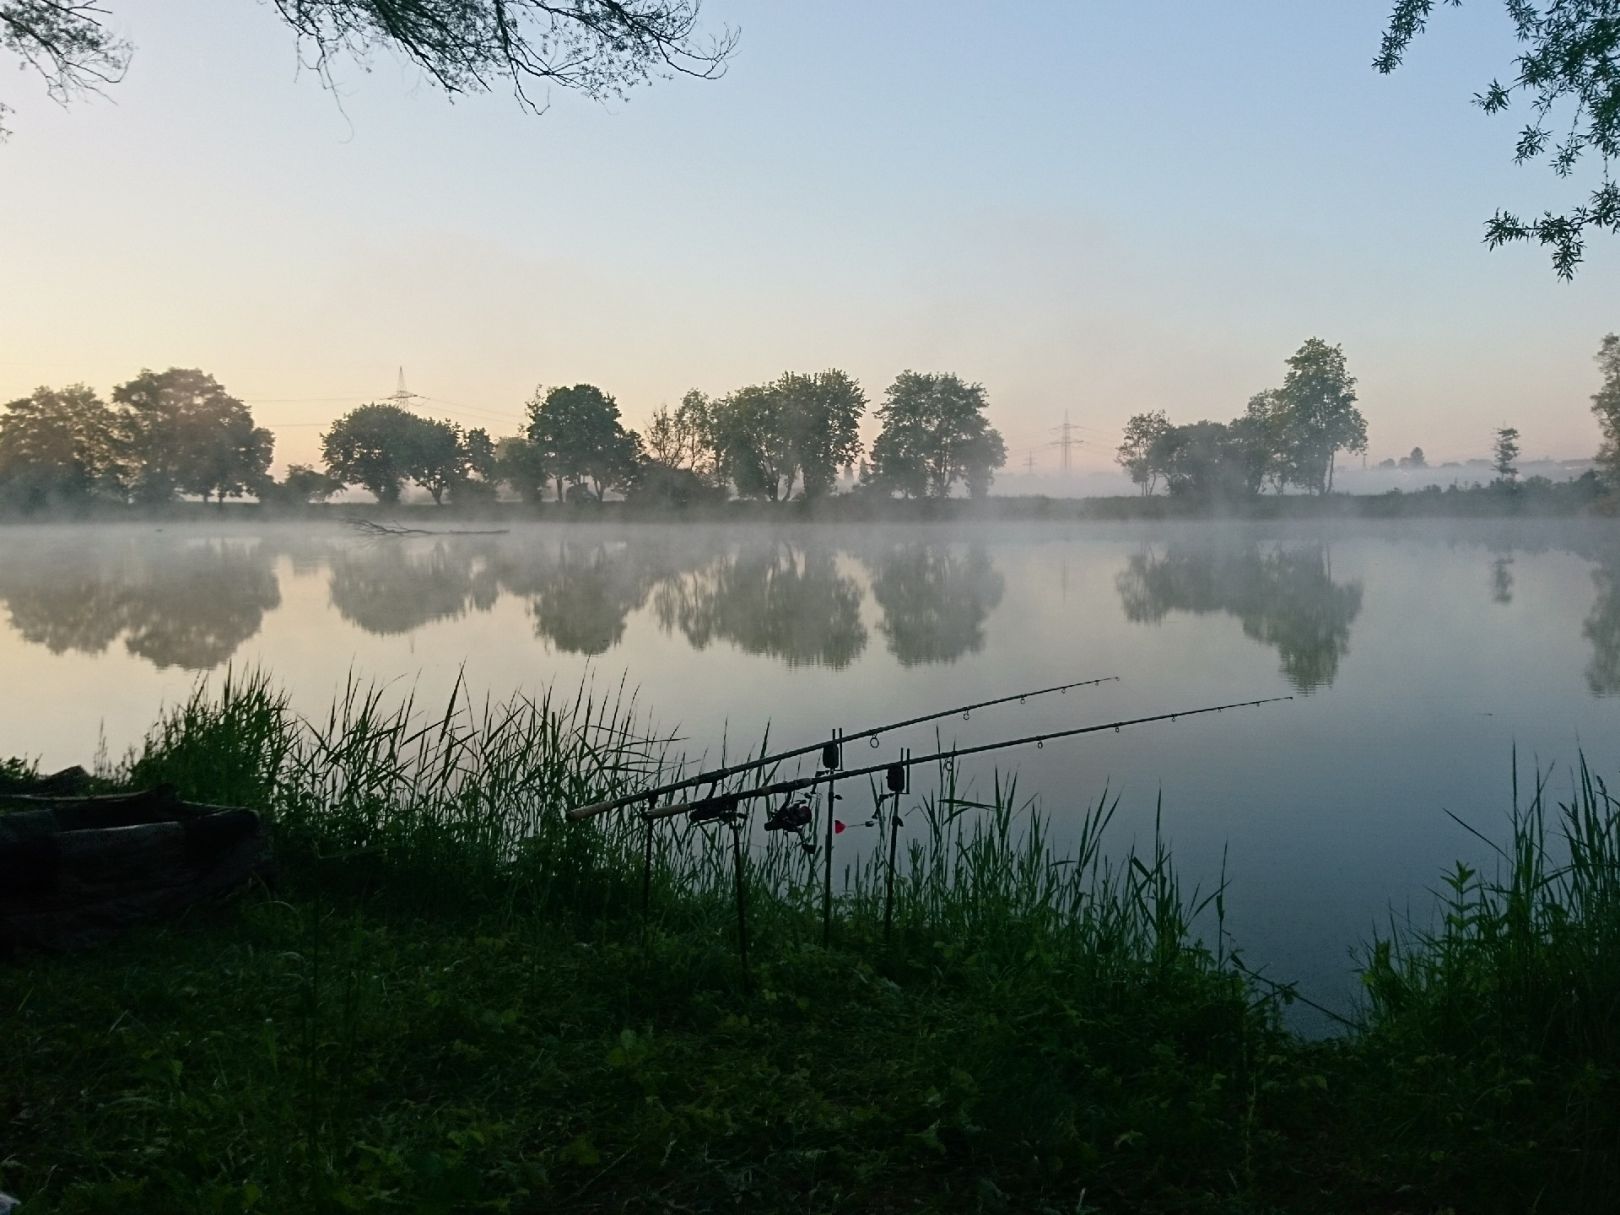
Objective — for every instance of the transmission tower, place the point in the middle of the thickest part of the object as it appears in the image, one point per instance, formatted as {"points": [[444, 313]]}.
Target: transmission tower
{"points": [[1029, 464], [1066, 443], [402, 396]]}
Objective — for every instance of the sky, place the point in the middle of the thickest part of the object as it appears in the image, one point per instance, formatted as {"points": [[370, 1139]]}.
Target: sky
{"points": [[1093, 209]]}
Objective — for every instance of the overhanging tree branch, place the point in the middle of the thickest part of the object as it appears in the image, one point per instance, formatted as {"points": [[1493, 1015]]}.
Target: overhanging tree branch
{"points": [[601, 48], [1570, 59], [65, 43]]}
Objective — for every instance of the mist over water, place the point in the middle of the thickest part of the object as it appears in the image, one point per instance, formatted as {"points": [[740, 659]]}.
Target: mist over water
{"points": [[1419, 656]]}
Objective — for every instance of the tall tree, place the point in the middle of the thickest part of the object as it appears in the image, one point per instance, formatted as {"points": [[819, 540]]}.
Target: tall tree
{"points": [[1566, 66], [982, 454], [522, 465], [934, 430], [1320, 418], [436, 456], [478, 468], [372, 446], [1206, 460], [580, 437], [56, 446], [1506, 455], [683, 438], [180, 431], [1259, 440], [752, 446], [1606, 407], [821, 415], [478, 451], [601, 48], [1136, 453]]}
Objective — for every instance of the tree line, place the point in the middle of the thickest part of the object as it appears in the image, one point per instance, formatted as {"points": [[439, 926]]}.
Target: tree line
{"points": [[1286, 436], [178, 432], [164, 434]]}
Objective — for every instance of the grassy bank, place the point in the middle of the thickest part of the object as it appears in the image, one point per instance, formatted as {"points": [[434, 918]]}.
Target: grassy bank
{"points": [[453, 1001]]}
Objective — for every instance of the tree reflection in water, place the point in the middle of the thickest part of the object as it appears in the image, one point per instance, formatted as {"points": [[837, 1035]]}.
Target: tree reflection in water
{"points": [[1502, 579], [935, 599], [390, 586], [580, 592], [1602, 627], [785, 599], [190, 606], [1285, 597]]}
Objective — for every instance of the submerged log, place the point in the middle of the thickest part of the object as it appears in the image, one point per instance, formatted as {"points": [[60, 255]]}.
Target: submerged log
{"points": [[76, 870]]}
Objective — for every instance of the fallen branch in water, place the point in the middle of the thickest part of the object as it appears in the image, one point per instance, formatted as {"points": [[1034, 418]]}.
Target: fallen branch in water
{"points": [[371, 528]]}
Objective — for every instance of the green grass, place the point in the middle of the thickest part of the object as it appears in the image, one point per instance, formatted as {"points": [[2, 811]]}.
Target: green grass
{"points": [[453, 1000]]}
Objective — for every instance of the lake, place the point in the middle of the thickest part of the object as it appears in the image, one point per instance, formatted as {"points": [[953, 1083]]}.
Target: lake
{"points": [[1418, 656]]}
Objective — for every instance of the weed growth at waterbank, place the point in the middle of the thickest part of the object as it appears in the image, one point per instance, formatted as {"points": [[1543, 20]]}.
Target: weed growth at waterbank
{"points": [[453, 1001]]}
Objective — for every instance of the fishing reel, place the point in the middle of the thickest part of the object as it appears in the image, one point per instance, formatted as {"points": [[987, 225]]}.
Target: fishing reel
{"points": [[793, 817]]}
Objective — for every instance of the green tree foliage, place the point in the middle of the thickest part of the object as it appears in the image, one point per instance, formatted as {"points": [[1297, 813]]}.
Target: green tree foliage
{"points": [[752, 445], [601, 48], [683, 438], [1285, 436], [1319, 414], [372, 447], [798, 429], [1566, 72], [580, 439], [1606, 407], [1205, 460], [1138, 454], [822, 415], [1506, 461], [521, 463], [982, 454], [179, 431], [380, 447], [1259, 436], [56, 448], [477, 475], [301, 486], [1415, 459], [436, 456], [478, 451], [934, 434]]}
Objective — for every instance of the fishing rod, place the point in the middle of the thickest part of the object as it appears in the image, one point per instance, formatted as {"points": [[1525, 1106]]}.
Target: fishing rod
{"points": [[724, 803], [722, 773]]}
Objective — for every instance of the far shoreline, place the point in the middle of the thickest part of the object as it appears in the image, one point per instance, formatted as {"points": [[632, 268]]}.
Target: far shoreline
{"points": [[1579, 498]]}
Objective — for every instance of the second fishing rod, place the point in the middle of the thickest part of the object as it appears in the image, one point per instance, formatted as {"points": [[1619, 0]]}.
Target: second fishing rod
{"points": [[721, 803], [716, 775]]}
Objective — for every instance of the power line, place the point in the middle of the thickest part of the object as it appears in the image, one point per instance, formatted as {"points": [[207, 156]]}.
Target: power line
{"points": [[492, 414]]}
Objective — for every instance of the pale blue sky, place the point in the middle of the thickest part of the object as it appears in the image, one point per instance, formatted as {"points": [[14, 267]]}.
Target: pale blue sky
{"points": [[1104, 208]]}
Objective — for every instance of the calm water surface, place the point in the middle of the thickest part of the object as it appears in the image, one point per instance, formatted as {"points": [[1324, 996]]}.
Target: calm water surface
{"points": [[1419, 656]]}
